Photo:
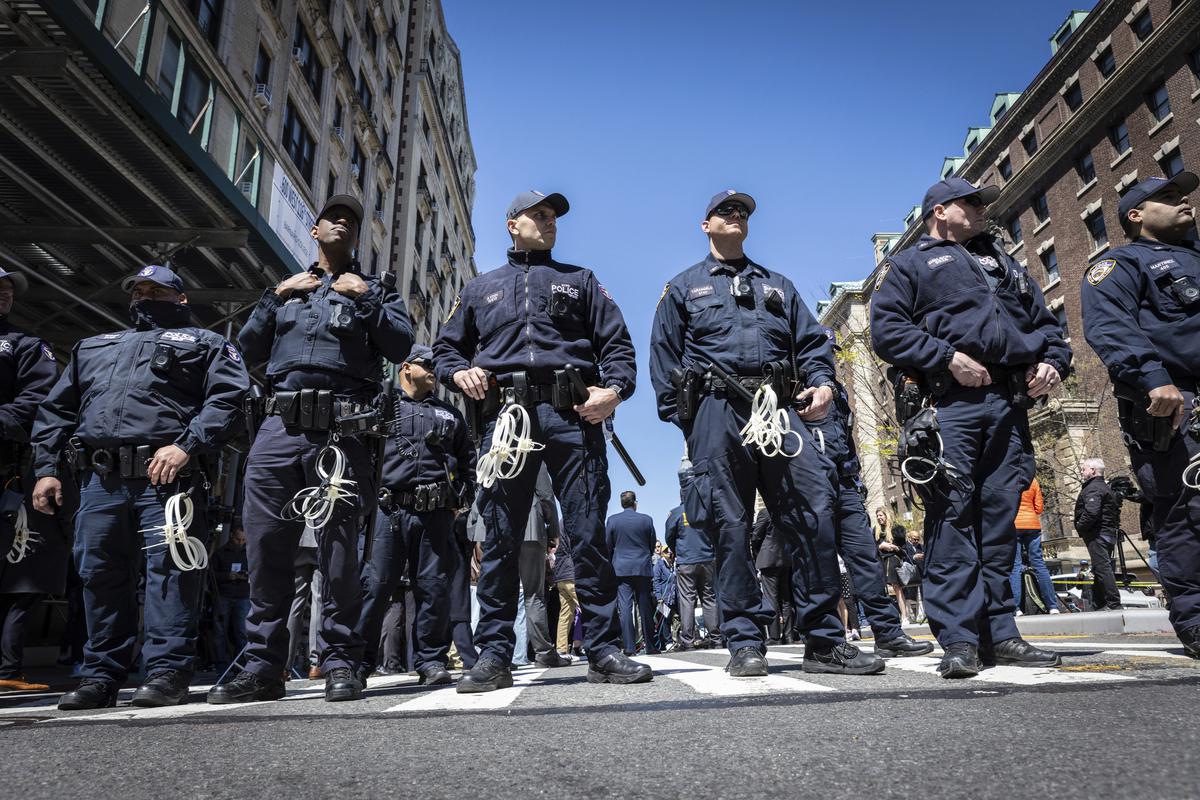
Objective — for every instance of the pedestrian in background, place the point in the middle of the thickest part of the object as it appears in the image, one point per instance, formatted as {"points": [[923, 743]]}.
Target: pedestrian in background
{"points": [[1029, 548]]}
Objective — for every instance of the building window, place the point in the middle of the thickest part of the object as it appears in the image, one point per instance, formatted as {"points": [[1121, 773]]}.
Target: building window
{"points": [[1085, 168], [298, 143], [1172, 163], [1030, 142], [1060, 314], [331, 186], [372, 36], [1041, 208], [1142, 25], [379, 199], [1006, 168], [1074, 96], [194, 94], [1158, 102], [358, 161], [262, 66], [1119, 136], [337, 112], [364, 91], [1095, 226], [1194, 63], [208, 18], [388, 83], [306, 56], [1014, 230], [346, 42], [419, 236], [1050, 264], [374, 268], [1106, 63], [169, 68]]}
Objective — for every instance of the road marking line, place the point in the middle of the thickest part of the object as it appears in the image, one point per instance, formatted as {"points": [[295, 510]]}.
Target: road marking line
{"points": [[449, 699], [1145, 654], [1019, 676], [185, 710], [712, 680]]}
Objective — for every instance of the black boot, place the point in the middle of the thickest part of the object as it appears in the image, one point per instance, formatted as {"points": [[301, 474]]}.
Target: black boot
{"points": [[901, 646], [960, 661], [841, 659], [91, 693], [168, 687], [617, 667], [487, 675], [247, 688], [552, 658], [747, 662], [433, 675], [1021, 653], [341, 684], [1191, 641]]}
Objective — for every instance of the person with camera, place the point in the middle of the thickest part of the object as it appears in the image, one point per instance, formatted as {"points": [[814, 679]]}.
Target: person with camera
{"points": [[322, 334], [134, 411], [1141, 314], [956, 314], [1098, 521]]}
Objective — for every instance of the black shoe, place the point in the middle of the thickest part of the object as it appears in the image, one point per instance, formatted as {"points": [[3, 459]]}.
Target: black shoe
{"points": [[774, 642], [342, 684], [618, 668], [960, 661], [1190, 637], [434, 675], [841, 659], [487, 675], [747, 662], [902, 646], [552, 658], [91, 693], [683, 647], [168, 687], [1021, 653], [247, 688], [362, 673]]}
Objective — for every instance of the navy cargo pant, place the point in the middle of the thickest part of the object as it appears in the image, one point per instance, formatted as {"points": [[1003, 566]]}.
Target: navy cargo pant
{"points": [[1176, 520], [799, 495], [858, 549], [576, 457], [421, 543], [281, 463], [117, 518], [970, 538]]}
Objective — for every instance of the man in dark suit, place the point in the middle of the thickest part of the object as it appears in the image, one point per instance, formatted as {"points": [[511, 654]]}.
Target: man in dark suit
{"points": [[631, 540], [774, 566]]}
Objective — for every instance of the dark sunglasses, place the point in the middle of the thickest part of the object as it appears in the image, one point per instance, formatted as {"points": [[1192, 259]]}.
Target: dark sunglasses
{"points": [[729, 209], [973, 200]]}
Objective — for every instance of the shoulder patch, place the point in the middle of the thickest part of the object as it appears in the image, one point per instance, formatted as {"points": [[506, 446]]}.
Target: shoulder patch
{"points": [[666, 288], [6, 346], [232, 353], [883, 271], [453, 308], [47, 352], [1100, 270], [604, 292]]}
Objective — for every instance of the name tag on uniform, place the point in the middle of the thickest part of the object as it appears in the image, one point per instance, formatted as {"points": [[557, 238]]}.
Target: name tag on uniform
{"points": [[112, 335], [939, 260], [565, 288], [493, 297], [700, 291], [1163, 266], [177, 336], [444, 414]]}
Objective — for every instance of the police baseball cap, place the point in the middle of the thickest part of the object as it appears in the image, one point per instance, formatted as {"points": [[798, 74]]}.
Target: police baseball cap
{"points": [[1186, 182], [420, 354], [527, 200], [346, 201], [154, 274], [951, 189], [19, 282], [729, 196]]}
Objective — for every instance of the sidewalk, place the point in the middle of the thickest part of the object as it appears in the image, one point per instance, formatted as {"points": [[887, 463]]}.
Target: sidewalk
{"points": [[1129, 620]]}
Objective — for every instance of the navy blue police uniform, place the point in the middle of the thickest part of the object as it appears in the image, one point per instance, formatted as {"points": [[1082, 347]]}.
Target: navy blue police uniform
{"points": [[631, 540], [700, 321], [123, 396], [522, 323], [36, 565], [324, 354], [694, 574], [931, 300], [1141, 314], [428, 472]]}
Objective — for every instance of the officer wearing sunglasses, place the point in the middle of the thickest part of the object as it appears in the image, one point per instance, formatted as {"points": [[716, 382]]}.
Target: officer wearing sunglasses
{"points": [[958, 315], [731, 315]]}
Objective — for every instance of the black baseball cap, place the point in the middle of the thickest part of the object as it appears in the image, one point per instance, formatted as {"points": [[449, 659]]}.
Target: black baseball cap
{"points": [[20, 282], [729, 196], [154, 273], [951, 189], [420, 354], [527, 200], [1186, 182], [345, 200]]}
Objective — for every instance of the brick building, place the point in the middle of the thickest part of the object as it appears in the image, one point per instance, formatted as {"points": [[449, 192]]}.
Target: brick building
{"points": [[1118, 101]]}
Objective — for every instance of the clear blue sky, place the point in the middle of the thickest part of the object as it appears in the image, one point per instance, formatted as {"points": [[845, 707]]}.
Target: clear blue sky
{"points": [[835, 117]]}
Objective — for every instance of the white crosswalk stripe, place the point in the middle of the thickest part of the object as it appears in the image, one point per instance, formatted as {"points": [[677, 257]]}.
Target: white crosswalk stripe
{"points": [[1020, 676], [713, 680], [449, 699]]}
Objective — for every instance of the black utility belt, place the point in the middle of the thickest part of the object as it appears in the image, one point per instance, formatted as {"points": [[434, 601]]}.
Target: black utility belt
{"points": [[128, 460], [720, 388], [319, 410], [427, 497]]}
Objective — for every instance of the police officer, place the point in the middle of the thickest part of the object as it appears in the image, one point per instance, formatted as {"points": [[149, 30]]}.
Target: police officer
{"points": [[855, 544], [1098, 523], [695, 569], [1141, 314], [136, 410], [322, 334], [428, 472], [33, 561], [957, 313], [506, 342], [731, 314]]}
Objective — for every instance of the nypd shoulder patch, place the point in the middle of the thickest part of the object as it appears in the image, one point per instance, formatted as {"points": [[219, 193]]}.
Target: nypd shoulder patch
{"points": [[883, 271], [453, 308], [1100, 270], [47, 352], [233, 354], [666, 288]]}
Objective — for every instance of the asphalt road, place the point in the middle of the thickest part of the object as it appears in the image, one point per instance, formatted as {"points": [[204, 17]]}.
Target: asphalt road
{"points": [[1119, 719]]}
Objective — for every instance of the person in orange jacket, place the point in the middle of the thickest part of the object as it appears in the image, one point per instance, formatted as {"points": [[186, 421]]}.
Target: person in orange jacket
{"points": [[1029, 548]]}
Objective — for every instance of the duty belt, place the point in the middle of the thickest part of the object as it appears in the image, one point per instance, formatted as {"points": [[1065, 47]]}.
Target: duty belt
{"points": [[717, 387], [314, 409], [427, 497], [129, 460]]}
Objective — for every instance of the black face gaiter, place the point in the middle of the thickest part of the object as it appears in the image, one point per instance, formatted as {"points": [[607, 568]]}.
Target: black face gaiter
{"points": [[147, 314]]}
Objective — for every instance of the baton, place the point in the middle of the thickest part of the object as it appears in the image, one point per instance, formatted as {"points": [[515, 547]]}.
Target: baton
{"points": [[581, 387], [731, 383]]}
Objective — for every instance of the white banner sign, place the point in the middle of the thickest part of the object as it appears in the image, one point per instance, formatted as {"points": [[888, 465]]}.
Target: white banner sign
{"points": [[292, 219]]}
